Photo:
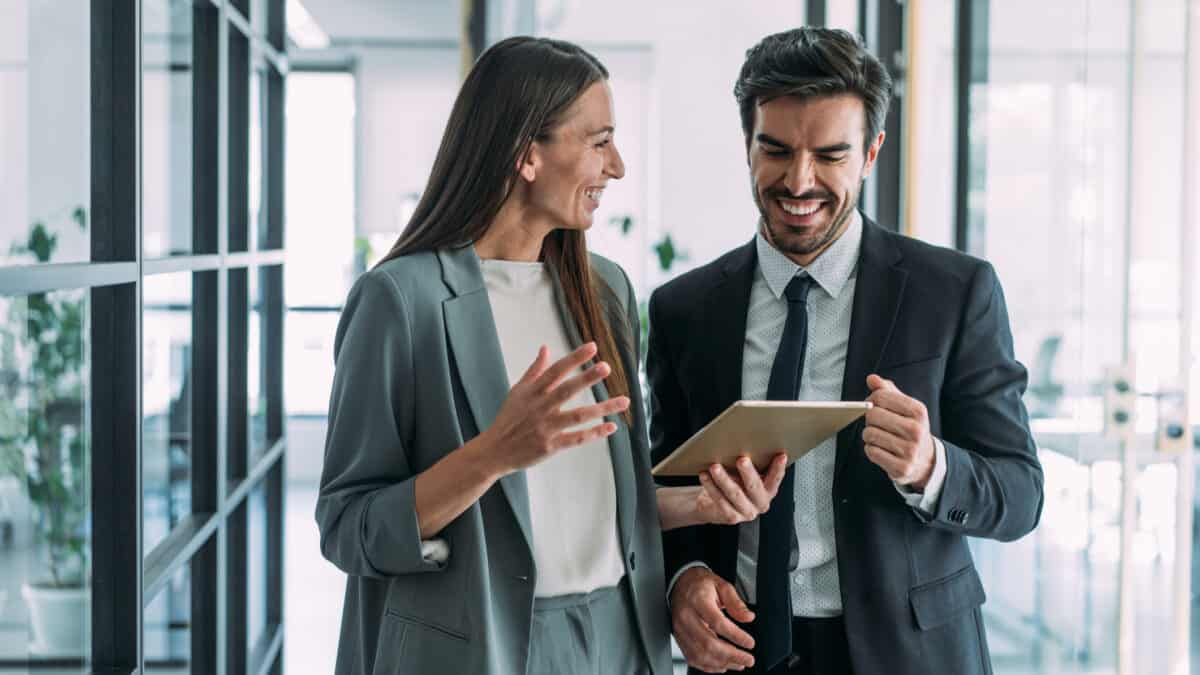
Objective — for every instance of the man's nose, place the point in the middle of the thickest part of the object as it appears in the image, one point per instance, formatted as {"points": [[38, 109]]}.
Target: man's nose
{"points": [[800, 177]]}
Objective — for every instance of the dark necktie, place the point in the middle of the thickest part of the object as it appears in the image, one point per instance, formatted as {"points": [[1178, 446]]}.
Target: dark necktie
{"points": [[773, 619]]}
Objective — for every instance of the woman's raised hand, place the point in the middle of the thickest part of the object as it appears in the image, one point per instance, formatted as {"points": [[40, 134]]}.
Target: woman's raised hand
{"points": [[532, 424]]}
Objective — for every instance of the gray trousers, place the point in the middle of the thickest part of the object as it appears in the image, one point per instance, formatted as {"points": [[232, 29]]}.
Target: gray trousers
{"points": [[586, 634]]}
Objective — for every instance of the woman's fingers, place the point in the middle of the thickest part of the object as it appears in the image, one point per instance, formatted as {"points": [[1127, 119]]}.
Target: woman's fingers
{"points": [[564, 366], [733, 492], [567, 390], [573, 417], [573, 439], [775, 473], [726, 513], [752, 484], [538, 366]]}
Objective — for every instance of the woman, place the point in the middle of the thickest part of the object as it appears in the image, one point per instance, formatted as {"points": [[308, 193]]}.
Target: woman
{"points": [[435, 402]]}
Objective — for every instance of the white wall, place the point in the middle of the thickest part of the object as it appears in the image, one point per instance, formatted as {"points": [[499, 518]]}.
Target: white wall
{"points": [[699, 184], [404, 100]]}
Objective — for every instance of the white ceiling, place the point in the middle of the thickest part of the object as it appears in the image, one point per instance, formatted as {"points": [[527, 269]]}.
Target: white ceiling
{"points": [[374, 21]]}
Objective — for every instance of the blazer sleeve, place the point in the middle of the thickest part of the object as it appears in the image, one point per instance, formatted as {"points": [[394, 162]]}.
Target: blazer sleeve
{"points": [[668, 430], [993, 485], [366, 508]]}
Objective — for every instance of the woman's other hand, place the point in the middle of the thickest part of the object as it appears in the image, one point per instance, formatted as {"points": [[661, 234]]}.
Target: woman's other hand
{"points": [[727, 498], [730, 499], [722, 498]]}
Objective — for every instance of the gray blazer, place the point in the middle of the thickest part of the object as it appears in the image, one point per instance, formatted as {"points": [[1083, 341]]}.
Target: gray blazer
{"points": [[419, 372]]}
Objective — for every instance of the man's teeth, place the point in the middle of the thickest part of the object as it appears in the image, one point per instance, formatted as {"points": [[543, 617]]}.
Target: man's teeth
{"points": [[594, 194], [800, 210]]}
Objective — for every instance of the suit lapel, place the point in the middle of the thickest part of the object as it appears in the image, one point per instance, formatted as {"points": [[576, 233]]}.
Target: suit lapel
{"points": [[725, 326], [475, 349], [619, 447], [877, 296]]}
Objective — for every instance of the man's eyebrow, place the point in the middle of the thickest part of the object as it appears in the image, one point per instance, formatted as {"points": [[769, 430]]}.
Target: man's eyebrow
{"points": [[768, 140], [830, 149]]}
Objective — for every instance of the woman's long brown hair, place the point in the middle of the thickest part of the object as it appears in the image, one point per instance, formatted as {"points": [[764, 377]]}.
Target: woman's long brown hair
{"points": [[517, 92]]}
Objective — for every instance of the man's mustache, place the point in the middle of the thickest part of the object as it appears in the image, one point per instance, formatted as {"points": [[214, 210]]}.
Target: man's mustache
{"points": [[784, 194]]}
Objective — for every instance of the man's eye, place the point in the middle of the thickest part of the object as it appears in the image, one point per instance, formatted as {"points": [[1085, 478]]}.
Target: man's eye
{"points": [[832, 158], [776, 152]]}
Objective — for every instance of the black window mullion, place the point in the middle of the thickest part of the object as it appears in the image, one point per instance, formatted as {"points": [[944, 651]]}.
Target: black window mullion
{"points": [[116, 461], [971, 68], [275, 540], [815, 13], [205, 128], [276, 22], [239, 131], [115, 80], [204, 572], [886, 40], [238, 395], [237, 590], [273, 166], [204, 461], [115, 341]]}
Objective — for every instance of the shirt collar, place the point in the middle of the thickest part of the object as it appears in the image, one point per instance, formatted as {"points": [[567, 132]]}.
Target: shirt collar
{"points": [[830, 270]]}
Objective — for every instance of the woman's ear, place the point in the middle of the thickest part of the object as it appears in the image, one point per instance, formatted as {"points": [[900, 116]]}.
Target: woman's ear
{"points": [[528, 166]]}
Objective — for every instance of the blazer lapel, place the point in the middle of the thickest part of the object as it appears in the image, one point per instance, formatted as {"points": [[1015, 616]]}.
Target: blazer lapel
{"points": [[619, 447], [475, 349], [877, 295], [725, 326]]}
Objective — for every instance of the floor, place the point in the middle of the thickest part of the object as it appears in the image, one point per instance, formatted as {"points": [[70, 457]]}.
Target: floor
{"points": [[1067, 643]]}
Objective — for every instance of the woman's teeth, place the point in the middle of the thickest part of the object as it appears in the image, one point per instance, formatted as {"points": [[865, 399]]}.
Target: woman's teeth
{"points": [[594, 194]]}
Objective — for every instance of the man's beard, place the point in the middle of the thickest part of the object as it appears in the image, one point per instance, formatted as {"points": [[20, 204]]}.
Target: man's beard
{"points": [[781, 237]]}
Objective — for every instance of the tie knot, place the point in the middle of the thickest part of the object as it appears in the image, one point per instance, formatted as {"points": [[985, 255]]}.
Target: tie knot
{"points": [[797, 288]]}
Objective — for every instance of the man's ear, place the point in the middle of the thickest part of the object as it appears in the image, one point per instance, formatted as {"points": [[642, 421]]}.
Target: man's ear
{"points": [[872, 155], [530, 163]]}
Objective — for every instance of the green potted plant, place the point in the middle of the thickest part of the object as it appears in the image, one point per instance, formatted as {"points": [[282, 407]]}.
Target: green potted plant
{"points": [[43, 444]]}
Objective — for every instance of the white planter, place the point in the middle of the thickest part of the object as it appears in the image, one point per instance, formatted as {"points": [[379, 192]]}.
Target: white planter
{"points": [[58, 618]]}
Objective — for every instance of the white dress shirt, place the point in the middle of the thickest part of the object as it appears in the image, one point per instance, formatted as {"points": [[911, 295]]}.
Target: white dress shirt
{"points": [[572, 486], [816, 589]]}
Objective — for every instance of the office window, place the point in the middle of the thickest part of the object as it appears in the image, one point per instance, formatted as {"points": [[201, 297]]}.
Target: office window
{"points": [[121, 458], [167, 140], [1072, 191], [44, 131], [45, 514]]}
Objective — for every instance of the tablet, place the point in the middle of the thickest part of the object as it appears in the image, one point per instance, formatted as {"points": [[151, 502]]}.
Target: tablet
{"points": [[759, 429]]}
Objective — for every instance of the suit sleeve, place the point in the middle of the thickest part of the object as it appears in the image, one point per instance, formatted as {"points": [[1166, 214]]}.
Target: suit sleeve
{"points": [[366, 507], [993, 484], [668, 430]]}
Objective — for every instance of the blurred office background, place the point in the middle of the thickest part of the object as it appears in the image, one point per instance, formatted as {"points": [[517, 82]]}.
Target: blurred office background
{"points": [[188, 188]]}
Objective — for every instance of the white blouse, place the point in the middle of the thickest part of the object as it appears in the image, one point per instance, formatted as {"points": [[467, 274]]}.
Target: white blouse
{"points": [[572, 494]]}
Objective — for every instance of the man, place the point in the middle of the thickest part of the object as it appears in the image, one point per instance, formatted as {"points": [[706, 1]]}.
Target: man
{"points": [[861, 564]]}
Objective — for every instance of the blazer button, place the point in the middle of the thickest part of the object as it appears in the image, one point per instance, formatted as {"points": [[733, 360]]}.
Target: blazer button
{"points": [[633, 560]]}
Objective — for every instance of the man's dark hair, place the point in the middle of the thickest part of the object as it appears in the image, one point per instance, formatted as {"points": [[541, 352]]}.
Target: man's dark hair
{"points": [[808, 62]]}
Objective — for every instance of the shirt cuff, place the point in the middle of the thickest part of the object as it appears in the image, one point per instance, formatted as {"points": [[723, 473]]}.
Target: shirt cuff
{"points": [[435, 550], [671, 586], [926, 501]]}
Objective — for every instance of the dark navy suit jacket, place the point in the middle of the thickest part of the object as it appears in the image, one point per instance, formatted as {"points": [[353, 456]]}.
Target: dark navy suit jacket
{"points": [[934, 321]]}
